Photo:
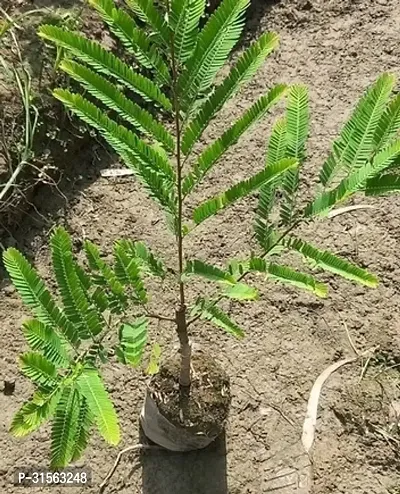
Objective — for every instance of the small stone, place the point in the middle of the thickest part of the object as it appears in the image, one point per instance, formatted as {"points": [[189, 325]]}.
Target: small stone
{"points": [[9, 388], [9, 289], [305, 5]]}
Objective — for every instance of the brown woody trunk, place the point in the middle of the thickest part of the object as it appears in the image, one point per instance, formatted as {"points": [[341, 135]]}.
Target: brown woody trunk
{"points": [[185, 347]]}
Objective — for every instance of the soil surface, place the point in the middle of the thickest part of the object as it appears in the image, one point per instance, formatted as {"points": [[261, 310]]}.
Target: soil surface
{"points": [[336, 47], [205, 408]]}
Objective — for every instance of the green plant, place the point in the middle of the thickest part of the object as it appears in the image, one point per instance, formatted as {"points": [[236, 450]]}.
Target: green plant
{"points": [[174, 69]]}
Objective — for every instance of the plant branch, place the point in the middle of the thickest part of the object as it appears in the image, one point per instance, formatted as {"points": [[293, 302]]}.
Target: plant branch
{"points": [[246, 273], [160, 318]]}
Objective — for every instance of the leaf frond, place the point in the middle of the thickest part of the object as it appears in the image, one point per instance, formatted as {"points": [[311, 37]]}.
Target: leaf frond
{"points": [[208, 311], [389, 124], [216, 150], [214, 43], [82, 431], [147, 12], [114, 99], [77, 306], [277, 144], [135, 40], [355, 182], [38, 368], [245, 68], [132, 341], [149, 165], [289, 276], [34, 413], [154, 362], [382, 185], [91, 386], [44, 339], [356, 141], [64, 427], [128, 273], [105, 62], [297, 125], [36, 296], [242, 189], [332, 263], [240, 291], [106, 277], [197, 267], [184, 19], [148, 262]]}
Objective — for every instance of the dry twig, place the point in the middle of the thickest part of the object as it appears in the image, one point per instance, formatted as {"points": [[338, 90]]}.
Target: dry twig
{"points": [[136, 447], [310, 421]]}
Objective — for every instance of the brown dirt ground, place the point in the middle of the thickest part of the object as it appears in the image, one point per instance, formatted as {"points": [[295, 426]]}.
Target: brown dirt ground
{"points": [[337, 48]]}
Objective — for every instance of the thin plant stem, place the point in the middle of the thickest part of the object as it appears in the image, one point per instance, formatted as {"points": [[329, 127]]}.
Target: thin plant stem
{"points": [[180, 313]]}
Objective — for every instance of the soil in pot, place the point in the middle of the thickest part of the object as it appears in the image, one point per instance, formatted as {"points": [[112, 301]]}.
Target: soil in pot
{"points": [[202, 408]]}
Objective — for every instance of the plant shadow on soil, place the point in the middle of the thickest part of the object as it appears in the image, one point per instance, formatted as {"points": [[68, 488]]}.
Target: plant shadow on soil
{"points": [[165, 472], [49, 204]]}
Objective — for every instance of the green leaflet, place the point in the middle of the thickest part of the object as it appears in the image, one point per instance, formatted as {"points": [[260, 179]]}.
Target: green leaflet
{"points": [[287, 275], [147, 12], [114, 99], [244, 69], [154, 363], [152, 265], [134, 39], [82, 432], [119, 137], [356, 142], [277, 143], [152, 167], [355, 182], [133, 339], [38, 368], [208, 271], [297, 121], [241, 291], [207, 310], [216, 150], [268, 175], [148, 262], [91, 386], [276, 151], [114, 291], [76, 301], [388, 125], [105, 62], [384, 184], [34, 413], [64, 428], [46, 340], [184, 18], [214, 43], [36, 296], [296, 126], [128, 272], [231, 289], [332, 263]]}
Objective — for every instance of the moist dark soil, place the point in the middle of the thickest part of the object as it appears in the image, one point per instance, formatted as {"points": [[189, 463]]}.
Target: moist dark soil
{"points": [[203, 407]]}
